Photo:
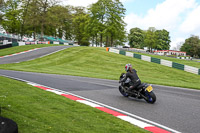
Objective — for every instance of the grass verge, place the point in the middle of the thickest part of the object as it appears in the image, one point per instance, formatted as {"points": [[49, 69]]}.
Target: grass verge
{"points": [[98, 63], [180, 61], [17, 49], [38, 111]]}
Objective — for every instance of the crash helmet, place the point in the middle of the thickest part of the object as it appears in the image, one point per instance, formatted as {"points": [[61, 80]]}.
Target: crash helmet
{"points": [[127, 67]]}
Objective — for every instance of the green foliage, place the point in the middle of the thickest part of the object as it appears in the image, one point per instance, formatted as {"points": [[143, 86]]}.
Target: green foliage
{"points": [[152, 38], [102, 23], [41, 13], [59, 22], [1, 3], [136, 38], [162, 40], [1, 9], [11, 21], [107, 16], [80, 19], [192, 46]]}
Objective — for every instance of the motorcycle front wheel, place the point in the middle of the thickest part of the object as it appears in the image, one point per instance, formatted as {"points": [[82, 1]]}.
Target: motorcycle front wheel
{"points": [[123, 92], [150, 97]]}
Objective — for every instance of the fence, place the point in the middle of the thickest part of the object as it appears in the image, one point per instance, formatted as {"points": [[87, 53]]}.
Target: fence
{"points": [[184, 58], [158, 61], [40, 42]]}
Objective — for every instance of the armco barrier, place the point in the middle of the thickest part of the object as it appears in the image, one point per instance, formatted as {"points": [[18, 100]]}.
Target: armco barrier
{"points": [[166, 63], [41, 42], [146, 58], [177, 66], [128, 54], [191, 69], [122, 52], [185, 58], [15, 44], [138, 56], [156, 60]]}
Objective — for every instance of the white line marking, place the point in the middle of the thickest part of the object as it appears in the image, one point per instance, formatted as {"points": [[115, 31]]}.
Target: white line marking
{"points": [[33, 84], [54, 91], [126, 113], [20, 53], [47, 54], [53, 52], [89, 103], [135, 121]]}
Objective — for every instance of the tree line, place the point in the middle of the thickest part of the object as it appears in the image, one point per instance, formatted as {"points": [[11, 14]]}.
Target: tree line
{"points": [[151, 38], [100, 23], [192, 46]]}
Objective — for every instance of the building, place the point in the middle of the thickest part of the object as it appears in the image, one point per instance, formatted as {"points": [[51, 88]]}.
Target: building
{"points": [[170, 52]]}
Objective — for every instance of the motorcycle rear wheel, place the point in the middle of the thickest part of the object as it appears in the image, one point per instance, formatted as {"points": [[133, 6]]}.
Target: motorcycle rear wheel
{"points": [[123, 92]]}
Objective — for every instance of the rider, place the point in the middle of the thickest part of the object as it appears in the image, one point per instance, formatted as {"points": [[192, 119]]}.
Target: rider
{"points": [[132, 74]]}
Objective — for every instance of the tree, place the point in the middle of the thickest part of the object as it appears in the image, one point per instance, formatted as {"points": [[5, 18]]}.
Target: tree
{"points": [[67, 28], [25, 4], [162, 39], [1, 8], [192, 46], [107, 17], [79, 22], [1, 3], [43, 6], [103, 24], [59, 20], [37, 17], [136, 38], [92, 28], [115, 24], [98, 14], [11, 17], [150, 39]]}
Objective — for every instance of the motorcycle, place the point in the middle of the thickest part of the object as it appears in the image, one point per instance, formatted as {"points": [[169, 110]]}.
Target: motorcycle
{"points": [[143, 91]]}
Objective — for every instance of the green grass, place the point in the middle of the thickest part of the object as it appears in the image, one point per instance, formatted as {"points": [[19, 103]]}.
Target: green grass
{"points": [[17, 49], [98, 63], [38, 111], [180, 61]]}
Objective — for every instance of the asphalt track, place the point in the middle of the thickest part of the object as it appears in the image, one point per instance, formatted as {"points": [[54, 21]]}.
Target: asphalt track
{"points": [[176, 108], [31, 55]]}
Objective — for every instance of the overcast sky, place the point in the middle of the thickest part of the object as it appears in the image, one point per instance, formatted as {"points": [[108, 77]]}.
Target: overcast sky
{"points": [[180, 17]]}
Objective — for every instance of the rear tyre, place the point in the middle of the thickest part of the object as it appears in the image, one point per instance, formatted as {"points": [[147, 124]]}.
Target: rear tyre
{"points": [[150, 97], [123, 92]]}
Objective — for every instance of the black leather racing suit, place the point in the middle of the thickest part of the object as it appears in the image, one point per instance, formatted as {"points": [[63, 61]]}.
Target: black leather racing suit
{"points": [[135, 80]]}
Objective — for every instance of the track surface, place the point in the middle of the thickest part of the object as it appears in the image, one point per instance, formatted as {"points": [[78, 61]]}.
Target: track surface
{"points": [[31, 55], [176, 108]]}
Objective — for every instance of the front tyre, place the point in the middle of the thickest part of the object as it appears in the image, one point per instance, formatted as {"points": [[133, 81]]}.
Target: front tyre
{"points": [[150, 97], [123, 92]]}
